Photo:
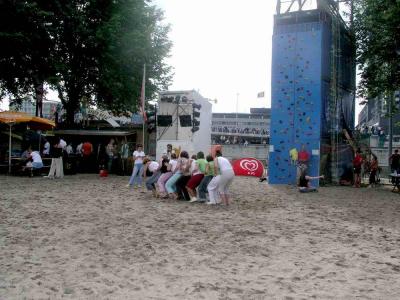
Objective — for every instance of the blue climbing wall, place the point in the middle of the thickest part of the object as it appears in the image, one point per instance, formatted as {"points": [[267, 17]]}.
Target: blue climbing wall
{"points": [[296, 98]]}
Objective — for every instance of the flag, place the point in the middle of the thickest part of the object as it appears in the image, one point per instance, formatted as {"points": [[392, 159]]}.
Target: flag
{"points": [[260, 95], [143, 95]]}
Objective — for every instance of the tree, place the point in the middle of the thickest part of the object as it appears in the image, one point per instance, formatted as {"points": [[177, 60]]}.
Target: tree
{"points": [[85, 49], [132, 37], [377, 29], [25, 55], [101, 48]]}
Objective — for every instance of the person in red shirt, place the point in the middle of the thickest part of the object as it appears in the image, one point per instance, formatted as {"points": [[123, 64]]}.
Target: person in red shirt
{"points": [[87, 149], [303, 155], [357, 164]]}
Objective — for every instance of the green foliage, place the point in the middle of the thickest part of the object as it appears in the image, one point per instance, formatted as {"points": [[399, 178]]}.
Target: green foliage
{"points": [[132, 36], [26, 46], [377, 29], [90, 51]]}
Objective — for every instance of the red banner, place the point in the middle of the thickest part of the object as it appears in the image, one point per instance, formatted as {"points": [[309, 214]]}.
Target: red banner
{"points": [[248, 167]]}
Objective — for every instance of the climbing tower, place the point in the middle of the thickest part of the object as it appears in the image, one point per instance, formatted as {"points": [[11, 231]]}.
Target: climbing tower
{"points": [[313, 83]]}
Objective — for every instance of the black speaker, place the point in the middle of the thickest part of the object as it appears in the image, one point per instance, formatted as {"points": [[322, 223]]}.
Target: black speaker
{"points": [[164, 120], [185, 120]]}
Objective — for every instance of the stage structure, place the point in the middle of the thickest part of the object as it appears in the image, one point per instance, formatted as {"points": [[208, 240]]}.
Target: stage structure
{"points": [[183, 121], [313, 90]]}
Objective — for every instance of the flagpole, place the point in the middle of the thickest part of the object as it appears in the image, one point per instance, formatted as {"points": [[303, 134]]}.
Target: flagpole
{"points": [[143, 100]]}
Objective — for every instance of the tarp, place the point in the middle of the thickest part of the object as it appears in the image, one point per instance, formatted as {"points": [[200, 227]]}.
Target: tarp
{"points": [[11, 117], [94, 132]]}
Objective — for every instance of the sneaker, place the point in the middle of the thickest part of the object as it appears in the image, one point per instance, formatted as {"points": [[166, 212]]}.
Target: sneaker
{"points": [[194, 199], [210, 203], [128, 185]]}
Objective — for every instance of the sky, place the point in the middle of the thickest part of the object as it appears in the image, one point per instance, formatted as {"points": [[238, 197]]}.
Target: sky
{"points": [[221, 48]]}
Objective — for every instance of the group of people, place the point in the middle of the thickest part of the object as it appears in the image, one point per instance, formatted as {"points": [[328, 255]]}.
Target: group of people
{"points": [[246, 130], [361, 163], [372, 130], [33, 159], [237, 140], [184, 178]]}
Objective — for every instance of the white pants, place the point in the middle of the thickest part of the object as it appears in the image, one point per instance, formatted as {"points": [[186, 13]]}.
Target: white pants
{"points": [[56, 168], [225, 181], [213, 189]]}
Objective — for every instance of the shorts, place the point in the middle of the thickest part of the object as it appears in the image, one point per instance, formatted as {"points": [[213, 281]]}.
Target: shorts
{"points": [[195, 181], [357, 170]]}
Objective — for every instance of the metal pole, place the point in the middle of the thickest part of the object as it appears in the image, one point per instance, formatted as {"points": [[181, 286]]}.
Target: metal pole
{"points": [[144, 149], [177, 119], [9, 151], [390, 125], [237, 108]]}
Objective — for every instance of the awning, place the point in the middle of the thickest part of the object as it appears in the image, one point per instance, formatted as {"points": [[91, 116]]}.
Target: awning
{"points": [[94, 132]]}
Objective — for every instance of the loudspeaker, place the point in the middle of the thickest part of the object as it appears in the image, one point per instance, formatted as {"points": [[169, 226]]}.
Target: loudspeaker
{"points": [[185, 120], [164, 121]]}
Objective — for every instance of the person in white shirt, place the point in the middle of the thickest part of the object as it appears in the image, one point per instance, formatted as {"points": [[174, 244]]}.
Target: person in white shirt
{"points": [[63, 144], [57, 165], [154, 167], [79, 149], [69, 149], [46, 148], [137, 172], [37, 162], [221, 182]]}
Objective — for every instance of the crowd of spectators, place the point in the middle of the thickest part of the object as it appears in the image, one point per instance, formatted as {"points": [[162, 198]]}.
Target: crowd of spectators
{"points": [[246, 130], [234, 140], [371, 130]]}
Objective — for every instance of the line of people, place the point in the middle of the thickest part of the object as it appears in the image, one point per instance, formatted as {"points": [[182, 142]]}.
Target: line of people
{"points": [[184, 178]]}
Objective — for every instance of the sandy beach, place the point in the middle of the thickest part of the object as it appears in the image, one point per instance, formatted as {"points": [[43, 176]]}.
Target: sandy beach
{"points": [[86, 237]]}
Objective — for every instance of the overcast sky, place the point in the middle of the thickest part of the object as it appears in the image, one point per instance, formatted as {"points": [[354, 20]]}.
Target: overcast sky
{"points": [[222, 48]]}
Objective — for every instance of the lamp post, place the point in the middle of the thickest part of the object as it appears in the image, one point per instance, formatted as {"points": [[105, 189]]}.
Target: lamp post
{"points": [[390, 112], [237, 108]]}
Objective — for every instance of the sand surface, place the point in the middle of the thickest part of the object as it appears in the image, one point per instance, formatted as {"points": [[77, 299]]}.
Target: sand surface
{"points": [[89, 238]]}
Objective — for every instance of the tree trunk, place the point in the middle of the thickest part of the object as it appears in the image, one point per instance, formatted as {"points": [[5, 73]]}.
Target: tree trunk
{"points": [[39, 92], [72, 106]]}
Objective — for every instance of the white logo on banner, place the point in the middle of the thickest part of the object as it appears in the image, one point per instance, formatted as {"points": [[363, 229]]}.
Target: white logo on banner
{"points": [[249, 165]]}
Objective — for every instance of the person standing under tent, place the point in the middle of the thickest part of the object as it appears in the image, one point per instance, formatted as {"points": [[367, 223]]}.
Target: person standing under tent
{"points": [[78, 150], [223, 179], [56, 168], [137, 172], [87, 156], [110, 149], [69, 149], [46, 148]]}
